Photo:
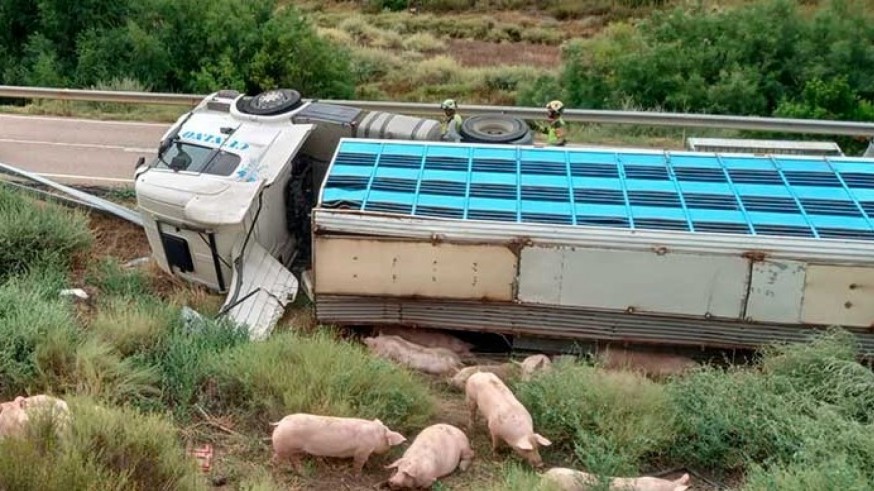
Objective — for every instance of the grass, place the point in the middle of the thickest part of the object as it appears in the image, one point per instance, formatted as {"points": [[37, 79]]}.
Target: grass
{"points": [[609, 421], [108, 449], [800, 418], [288, 373], [32, 232]]}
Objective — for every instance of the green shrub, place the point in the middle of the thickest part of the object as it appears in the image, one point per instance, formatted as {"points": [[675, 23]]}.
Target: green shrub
{"points": [[824, 370], [434, 71], [424, 42], [98, 371], [184, 357], [118, 283], [107, 448], [32, 232], [291, 373], [370, 64], [831, 475], [38, 336], [133, 327], [611, 419]]}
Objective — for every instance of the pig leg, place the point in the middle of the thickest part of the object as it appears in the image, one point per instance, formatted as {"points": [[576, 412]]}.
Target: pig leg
{"points": [[466, 458], [471, 416], [360, 460], [496, 442]]}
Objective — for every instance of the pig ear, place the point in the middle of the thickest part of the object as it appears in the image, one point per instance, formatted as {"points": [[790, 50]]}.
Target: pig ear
{"points": [[684, 479], [377, 421], [541, 440], [524, 444], [394, 464], [395, 438], [21, 402]]}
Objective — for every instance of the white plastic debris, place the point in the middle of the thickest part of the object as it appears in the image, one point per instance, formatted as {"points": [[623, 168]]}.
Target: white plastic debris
{"points": [[74, 292], [140, 261], [191, 318]]}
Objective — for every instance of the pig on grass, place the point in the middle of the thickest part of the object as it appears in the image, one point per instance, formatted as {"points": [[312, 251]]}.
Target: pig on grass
{"points": [[325, 436], [572, 480], [504, 371], [430, 339], [436, 361], [15, 416], [507, 418], [436, 452], [533, 364], [658, 366]]}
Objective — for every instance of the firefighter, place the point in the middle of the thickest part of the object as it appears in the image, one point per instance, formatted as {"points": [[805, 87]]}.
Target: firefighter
{"points": [[554, 129], [869, 152], [450, 126]]}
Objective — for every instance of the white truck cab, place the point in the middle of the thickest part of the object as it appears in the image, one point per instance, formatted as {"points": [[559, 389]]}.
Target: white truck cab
{"points": [[226, 202]]}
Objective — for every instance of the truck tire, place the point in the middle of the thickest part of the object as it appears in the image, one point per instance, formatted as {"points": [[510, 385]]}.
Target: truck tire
{"points": [[270, 103], [493, 128]]}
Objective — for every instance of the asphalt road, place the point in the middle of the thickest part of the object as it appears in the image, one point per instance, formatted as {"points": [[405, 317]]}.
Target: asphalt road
{"points": [[78, 151]]}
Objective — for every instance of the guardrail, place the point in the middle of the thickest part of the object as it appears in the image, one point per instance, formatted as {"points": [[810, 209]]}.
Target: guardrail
{"points": [[684, 120]]}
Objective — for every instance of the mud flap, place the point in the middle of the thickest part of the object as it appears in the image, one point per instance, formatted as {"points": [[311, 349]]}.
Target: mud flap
{"points": [[259, 300]]}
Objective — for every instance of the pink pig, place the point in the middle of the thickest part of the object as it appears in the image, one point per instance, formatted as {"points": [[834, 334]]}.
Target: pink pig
{"points": [[436, 452], [327, 436], [507, 418], [572, 480], [654, 365], [15, 415], [430, 339], [436, 361]]}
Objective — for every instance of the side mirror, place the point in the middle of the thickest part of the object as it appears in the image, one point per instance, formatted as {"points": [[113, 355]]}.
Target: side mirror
{"points": [[140, 162]]}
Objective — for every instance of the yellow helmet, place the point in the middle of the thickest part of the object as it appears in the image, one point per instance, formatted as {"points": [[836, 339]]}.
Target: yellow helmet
{"points": [[555, 106], [449, 104]]}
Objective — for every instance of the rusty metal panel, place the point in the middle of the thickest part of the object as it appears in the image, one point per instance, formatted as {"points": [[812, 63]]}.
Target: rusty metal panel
{"points": [[839, 296], [685, 284], [366, 266], [791, 248], [776, 290], [566, 322]]}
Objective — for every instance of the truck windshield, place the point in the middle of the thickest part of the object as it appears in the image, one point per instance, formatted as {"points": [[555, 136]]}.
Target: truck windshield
{"points": [[195, 158]]}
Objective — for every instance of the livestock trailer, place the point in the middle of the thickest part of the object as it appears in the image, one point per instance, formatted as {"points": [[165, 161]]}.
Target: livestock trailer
{"points": [[661, 247]]}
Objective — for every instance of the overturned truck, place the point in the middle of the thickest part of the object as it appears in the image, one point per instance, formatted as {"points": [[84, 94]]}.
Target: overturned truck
{"points": [[659, 247]]}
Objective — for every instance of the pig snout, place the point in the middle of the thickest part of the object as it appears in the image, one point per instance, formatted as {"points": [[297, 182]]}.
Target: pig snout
{"points": [[528, 449]]}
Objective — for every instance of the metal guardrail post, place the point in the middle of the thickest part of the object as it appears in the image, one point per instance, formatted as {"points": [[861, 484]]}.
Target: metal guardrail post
{"points": [[643, 118]]}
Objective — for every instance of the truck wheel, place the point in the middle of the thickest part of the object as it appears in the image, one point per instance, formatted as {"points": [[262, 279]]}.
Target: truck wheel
{"points": [[270, 103], [493, 128]]}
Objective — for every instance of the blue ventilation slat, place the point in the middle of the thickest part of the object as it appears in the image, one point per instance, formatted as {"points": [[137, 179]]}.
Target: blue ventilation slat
{"points": [[481, 164], [818, 179], [543, 193], [645, 172], [661, 224], [602, 221], [830, 207], [845, 233], [769, 204], [699, 174], [599, 196], [787, 230], [500, 191], [439, 211], [654, 198], [386, 207], [746, 176], [434, 162], [446, 188], [721, 227], [858, 180], [700, 192], [583, 169], [400, 161], [498, 216], [543, 168], [710, 201], [549, 218], [393, 185]]}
